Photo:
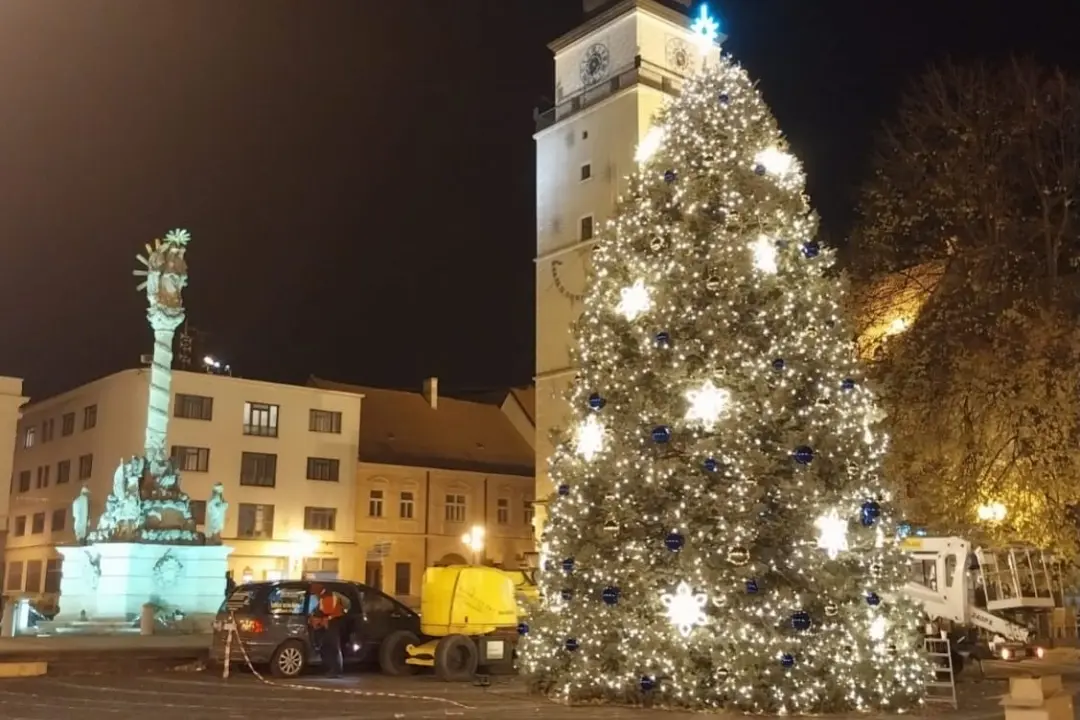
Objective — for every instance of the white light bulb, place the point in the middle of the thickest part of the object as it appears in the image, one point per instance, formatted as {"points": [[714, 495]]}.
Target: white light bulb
{"points": [[634, 301]]}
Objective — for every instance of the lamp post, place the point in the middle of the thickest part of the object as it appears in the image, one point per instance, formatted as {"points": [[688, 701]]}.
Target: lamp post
{"points": [[474, 540]]}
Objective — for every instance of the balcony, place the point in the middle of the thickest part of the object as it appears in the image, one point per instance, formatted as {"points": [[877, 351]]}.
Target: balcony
{"points": [[640, 71]]}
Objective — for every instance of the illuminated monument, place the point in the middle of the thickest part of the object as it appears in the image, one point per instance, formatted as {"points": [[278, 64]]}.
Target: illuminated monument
{"points": [[144, 547]]}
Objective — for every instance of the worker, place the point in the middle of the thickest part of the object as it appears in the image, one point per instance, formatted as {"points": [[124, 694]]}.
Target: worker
{"points": [[326, 628], [230, 584]]}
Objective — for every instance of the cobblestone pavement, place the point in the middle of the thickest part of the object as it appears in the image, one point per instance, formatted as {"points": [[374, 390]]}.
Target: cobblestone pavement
{"points": [[191, 695]]}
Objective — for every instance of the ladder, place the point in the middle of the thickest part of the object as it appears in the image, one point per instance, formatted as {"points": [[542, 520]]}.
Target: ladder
{"points": [[942, 689]]}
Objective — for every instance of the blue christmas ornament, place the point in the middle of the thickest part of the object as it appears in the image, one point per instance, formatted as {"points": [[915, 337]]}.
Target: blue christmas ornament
{"points": [[869, 513], [711, 465], [847, 384], [568, 565], [778, 364], [567, 594], [647, 683], [564, 490], [610, 595], [787, 660], [759, 169], [663, 340], [523, 629], [661, 434], [804, 454], [903, 529], [723, 98], [811, 249], [800, 620], [670, 176], [674, 541], [872, 599], [596, 401], [571, 644], [751, 586]]}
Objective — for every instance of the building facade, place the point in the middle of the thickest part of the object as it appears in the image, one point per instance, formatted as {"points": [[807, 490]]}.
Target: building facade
{"points": [[433, 469], [286, 455], [11, 402], [612, 74]]}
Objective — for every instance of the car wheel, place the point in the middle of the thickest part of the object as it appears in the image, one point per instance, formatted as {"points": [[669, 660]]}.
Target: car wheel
{"points": [[289, 660], [456, 659], [392, 654]]}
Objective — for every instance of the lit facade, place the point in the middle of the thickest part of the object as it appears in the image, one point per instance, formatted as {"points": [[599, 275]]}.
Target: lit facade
{"points": [[286, 455], [11, 400], [612, 74]]}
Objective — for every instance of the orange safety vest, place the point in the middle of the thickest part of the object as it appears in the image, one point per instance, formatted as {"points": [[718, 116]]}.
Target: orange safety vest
{"points": [[330, 606]]}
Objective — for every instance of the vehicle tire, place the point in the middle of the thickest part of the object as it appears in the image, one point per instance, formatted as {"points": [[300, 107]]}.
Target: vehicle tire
{"points": [[289, 660], [392, 653], [456, 659]]}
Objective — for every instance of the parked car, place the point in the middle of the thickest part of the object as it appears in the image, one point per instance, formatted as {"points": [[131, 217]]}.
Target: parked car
{"points": [[272, 623]]}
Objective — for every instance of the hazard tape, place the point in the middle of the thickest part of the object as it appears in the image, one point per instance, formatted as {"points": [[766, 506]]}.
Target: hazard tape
{"points": [[342, 691]]}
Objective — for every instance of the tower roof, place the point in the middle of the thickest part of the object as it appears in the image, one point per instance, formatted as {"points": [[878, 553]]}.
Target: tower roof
{"points": [[600, 12]]}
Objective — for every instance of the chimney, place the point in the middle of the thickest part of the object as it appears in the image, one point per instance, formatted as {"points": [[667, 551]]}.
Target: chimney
{"points": [[431, 392]]}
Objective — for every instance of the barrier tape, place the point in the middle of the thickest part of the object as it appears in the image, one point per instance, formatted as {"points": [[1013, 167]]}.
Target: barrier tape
{"points": [[293, 686]]}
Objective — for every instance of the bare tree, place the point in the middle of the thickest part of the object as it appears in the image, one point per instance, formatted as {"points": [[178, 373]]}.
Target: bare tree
{"points": [[977, 179]]}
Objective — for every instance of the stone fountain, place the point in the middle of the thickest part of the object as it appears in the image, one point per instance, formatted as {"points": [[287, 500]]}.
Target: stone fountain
{"points": [[144, 547]]}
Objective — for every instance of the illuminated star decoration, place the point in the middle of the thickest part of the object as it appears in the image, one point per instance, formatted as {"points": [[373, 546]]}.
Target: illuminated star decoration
{"points": [[764, 250], [685, 608], [878, 628], [178, 237], [832, 534], [776, 161], [705, 29], [649, 144], [707, 404], [590, 438], [635, 301]]}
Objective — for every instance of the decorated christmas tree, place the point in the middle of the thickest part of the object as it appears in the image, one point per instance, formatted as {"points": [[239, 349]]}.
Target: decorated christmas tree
{"points": [[720, 535]]}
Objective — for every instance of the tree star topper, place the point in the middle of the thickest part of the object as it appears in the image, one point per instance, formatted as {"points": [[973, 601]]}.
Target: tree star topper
{"points": [[685, 608], [705, 29]]}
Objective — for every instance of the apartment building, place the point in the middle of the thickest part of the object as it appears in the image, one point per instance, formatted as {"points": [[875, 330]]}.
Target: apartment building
{"points": [[430, 470], [287, 456]]}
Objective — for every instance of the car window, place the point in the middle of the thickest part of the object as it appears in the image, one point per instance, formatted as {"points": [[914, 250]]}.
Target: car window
{"points": [[289, 600], [376, 603], [241, 600], [344, 595]]}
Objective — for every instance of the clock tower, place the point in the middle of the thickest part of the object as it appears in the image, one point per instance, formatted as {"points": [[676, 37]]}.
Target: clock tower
{"points": [[612, 74]]}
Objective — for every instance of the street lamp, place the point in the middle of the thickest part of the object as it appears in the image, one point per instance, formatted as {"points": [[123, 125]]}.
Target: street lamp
{"points": [[301, 546], [992, 512], [474, 540]]}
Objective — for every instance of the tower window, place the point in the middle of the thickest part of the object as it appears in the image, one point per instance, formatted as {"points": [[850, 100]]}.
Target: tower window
{"points": [[584, 134], [586, 227], [586, 171]]}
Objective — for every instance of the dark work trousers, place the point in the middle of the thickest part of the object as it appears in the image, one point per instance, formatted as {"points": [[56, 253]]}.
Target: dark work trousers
{"points": [[329, 641]]}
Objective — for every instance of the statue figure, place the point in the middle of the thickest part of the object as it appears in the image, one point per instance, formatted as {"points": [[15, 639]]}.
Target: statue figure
{"points": [[80, 515], [216, 507]]}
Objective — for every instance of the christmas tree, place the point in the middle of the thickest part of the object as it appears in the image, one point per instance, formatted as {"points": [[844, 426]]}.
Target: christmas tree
{"points": [[720, 536]]}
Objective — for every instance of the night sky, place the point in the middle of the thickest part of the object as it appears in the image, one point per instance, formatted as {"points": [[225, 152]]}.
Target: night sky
{"points": [[358, 175]]}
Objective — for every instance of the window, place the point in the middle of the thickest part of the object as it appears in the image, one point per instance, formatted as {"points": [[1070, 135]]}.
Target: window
{"points": [[586, 228], [324, 421], [319, 518], [260, 419], [402, 578], [255, 521], [502, 511], [20, 526], [33, 576], [258, 469], [287, 600], [43, 476], [29, 437], [455, 508], [63, 472], [59, 520], [191, 459], [193, 407], [89, 417], [24, 481], [406, 505], [529, 512], [586, 171], [86, 466], [198, 511], [14, 576], [67, 427], [48, 430], [372, 576], [584, 134], [375, 503], [52, 576], [37, 524], [323, 469]]}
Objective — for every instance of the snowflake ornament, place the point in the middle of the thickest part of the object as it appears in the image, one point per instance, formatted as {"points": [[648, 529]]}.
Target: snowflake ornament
{"points": [[590, 438], [634, 301], [685, 608], [708, 404], [832, 534], [764, 250], [178, 237]]}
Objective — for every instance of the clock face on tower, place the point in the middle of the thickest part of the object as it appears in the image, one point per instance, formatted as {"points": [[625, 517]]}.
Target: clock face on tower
{"points": [[678, 55], [594, 64]]}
